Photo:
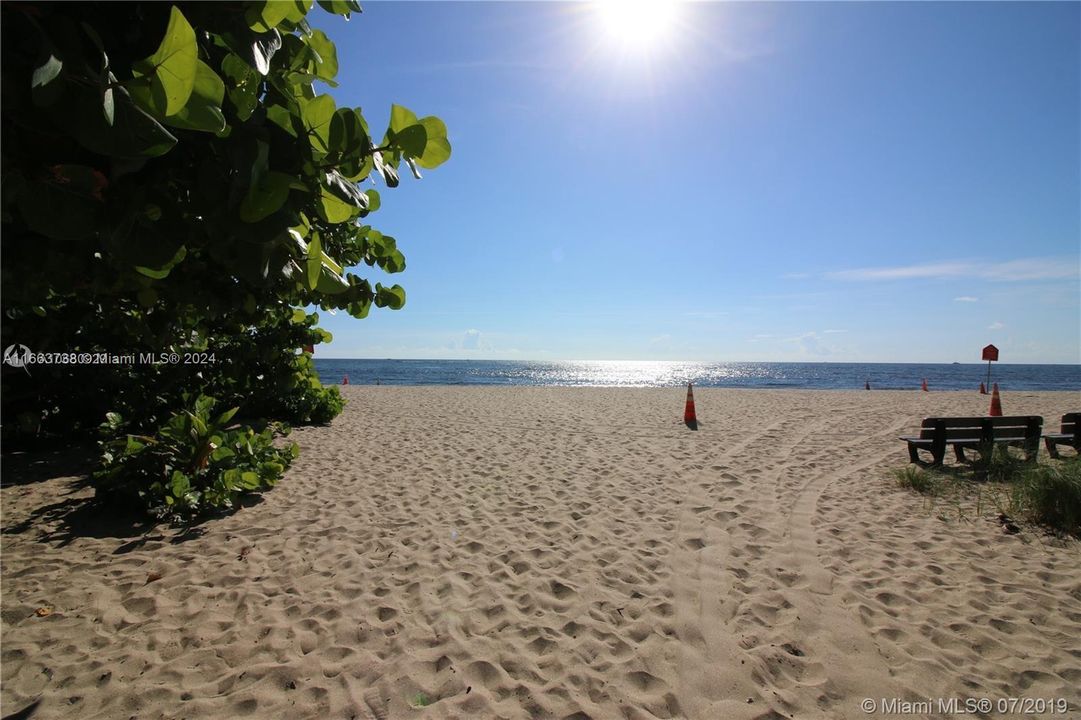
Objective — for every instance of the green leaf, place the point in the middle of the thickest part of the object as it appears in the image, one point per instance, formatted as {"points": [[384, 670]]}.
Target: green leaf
{"points": [[334, 267], [437, 149], [249, 480], [243, 86], [333, 209], [266, 196], [316, 114], [179, 484], [392, 297], [297, 10], [401, 117], [46, 72], [108, 105], [394, 262], [226, 416], [373, 200], [340, 7], [348, 138], [360, 309], [328, 55], [281, 117], [331, 283], [315, 262], [171, 68], [412, 140], [162, 272], [264, 17], [222, 453], [203, 109]]}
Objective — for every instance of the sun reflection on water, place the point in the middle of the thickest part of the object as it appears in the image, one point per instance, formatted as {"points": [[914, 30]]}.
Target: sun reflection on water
{"points": [[648, 373]]}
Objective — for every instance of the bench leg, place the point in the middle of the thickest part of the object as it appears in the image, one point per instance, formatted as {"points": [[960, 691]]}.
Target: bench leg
{"points": [[913, 454], [959, 453], [1052, 447]]}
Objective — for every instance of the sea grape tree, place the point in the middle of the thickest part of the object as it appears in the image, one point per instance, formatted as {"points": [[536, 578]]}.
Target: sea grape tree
{"points": [[177, 179]]}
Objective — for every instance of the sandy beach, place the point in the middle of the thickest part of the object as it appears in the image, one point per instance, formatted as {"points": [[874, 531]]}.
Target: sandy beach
{"points": [[561, 553]]}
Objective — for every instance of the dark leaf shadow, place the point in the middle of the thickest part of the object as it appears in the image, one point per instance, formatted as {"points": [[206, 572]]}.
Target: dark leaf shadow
{"points": [[28, 468]]}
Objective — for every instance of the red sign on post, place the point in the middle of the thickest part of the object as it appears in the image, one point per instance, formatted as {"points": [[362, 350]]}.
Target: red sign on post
{"points": [[990, 353]]}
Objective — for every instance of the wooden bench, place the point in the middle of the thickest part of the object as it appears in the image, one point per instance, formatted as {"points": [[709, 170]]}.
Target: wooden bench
{"points": [[1070, 434], [977, 433]]}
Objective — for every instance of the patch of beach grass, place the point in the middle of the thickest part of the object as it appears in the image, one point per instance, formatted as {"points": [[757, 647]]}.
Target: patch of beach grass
{"points": [[998, 466], [1050, 495], [925, 482], [1047, 494]]}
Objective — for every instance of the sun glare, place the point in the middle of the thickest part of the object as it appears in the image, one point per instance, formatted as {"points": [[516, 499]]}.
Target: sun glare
{"points": [[637, 26]]}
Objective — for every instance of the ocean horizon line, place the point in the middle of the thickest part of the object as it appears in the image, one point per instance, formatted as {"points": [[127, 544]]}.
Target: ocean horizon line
{"points": [[712, 362]]}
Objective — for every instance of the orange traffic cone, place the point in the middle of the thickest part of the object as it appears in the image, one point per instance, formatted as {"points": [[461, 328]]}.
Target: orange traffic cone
{"points": [[983, 389], [924, 385], [689, 416], [345, 380], [996, 404]]}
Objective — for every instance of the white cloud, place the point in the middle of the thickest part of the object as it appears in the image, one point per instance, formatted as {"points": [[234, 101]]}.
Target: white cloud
{"points": [[1010, 271], [997, 325], [471, 341], [709, 315], [833, 332], [811, 344], [966, 298]]}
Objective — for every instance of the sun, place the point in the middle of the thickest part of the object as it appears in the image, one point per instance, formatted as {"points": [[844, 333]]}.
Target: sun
{"points": [[637, 26]]}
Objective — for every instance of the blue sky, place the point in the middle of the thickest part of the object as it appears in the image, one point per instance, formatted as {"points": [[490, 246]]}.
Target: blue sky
{"points": [[824, 182]]}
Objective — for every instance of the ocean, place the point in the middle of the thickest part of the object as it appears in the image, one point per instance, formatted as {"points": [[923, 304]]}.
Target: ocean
{"points": [[810, 376]]}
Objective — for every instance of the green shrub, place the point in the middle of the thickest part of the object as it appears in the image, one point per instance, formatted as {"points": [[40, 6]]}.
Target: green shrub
{"points": [[195, 463], [319, 406], [1051, 495]]}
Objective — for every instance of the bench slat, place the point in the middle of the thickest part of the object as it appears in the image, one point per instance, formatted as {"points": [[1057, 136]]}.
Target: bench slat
{"points": [[979, 421]]}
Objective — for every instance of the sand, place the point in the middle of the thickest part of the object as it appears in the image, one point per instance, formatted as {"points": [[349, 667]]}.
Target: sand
{"points": [[549, 553]]}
